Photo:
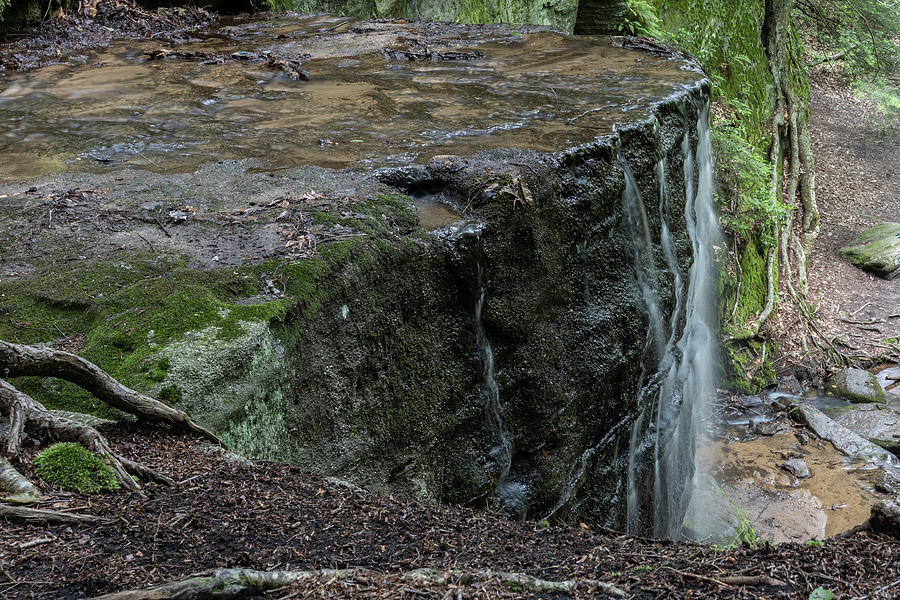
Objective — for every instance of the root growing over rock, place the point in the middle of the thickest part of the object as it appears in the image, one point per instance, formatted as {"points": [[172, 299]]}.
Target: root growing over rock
{"points": [[27, 415]]}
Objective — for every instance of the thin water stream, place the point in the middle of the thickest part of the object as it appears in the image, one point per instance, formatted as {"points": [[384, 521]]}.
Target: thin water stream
{"points": [[681, 349]]}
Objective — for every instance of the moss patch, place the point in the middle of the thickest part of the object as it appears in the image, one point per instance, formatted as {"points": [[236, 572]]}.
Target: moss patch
{"points": [[72, 467]]}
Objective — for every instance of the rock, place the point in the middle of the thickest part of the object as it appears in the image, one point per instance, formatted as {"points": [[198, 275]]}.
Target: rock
{"points": [[789, 384], [770, 427], [846, 441], [876, 250], [802, 438], [857, 385], [797, 467], [877, 423], [888, 480], [885, 517], [713, 518]]}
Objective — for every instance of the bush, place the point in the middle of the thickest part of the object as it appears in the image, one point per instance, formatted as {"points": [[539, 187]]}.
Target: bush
{"points": [[72, 467]]}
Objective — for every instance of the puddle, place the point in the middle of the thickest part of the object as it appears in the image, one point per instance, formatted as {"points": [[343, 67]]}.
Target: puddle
{"points": [[782, 507], [434, 214], [541, 91]]}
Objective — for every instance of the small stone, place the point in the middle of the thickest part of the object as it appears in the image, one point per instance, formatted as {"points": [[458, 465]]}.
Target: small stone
{"points": [[797, 467], [244, 55], [802, 438], [770, 427]]}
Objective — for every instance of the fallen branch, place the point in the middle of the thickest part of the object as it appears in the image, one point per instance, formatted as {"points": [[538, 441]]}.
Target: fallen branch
{"points": [[38, 516], [223, 584], [754, 580]]}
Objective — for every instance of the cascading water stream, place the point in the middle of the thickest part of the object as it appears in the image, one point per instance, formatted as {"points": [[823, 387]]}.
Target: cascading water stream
{"points": [[673, 395], [510, 495]]}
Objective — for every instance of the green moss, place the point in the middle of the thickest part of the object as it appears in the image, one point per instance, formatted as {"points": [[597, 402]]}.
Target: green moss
{"points": [[72, 467], [744, 367]]}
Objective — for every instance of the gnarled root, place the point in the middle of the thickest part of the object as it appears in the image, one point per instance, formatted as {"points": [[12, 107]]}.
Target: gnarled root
{"points": [[40, 423], [238, 583], [17, 360]]}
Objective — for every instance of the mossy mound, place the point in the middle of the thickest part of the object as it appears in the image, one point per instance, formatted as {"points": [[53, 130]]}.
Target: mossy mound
{"points": [[876, 250], [72, 467]]}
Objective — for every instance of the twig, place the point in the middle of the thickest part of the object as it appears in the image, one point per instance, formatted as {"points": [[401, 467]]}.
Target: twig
{"points": [[859, 310], [141, 154], [33, 543], [751, 580], [163, 227]]}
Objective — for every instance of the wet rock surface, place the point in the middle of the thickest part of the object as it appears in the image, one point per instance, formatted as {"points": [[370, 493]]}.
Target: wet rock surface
{"points": [[876, 423], [857, 385], [187, 222]]}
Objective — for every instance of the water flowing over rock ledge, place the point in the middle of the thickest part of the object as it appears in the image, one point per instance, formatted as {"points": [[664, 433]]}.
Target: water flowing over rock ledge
{"points": [[305, 313]]}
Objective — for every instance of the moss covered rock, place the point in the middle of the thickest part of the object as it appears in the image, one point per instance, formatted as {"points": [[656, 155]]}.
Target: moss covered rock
{"points": [[72, 467], [857, 385], [877, 250]]}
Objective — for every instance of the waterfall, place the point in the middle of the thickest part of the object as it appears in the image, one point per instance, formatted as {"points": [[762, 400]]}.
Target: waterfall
{"points": [[510, 496], [680, 354]]}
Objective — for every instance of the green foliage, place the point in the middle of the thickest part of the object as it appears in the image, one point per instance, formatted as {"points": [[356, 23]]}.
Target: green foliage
{"points": [[821, 593], [641, 19], [72, 467], [749, 206], [814, 543], [864, 33], [724, 35]]}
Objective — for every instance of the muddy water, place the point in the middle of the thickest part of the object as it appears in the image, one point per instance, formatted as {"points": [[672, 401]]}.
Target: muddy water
{"points": [[541, 91], [782, 507]]}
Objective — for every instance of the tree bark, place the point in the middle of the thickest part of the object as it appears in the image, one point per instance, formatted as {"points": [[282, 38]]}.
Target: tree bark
{"points": [[14, 487], [223, 584], [47, 517], [791, 150]]}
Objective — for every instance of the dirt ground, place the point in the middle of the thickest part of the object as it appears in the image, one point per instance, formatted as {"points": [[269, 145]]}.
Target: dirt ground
{"points": [[857, 186], [225, 513]]}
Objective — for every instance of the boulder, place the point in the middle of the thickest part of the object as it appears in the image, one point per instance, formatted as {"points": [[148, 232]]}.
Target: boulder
{"points": [[844, 440], [876, 250], [885, 517], [877, 423], [857, 385]]}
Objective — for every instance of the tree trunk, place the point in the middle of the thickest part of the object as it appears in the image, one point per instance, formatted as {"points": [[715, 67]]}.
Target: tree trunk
{"points": [[791, 150]]}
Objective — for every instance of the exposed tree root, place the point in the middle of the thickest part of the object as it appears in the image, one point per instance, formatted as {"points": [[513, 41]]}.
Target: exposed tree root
{"points": [[39, 516], [26, 415], [17, 360], [14, 487], [223, 584]]}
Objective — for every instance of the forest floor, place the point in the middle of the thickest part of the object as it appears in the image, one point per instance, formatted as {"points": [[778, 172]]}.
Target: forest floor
{"points": [[230, 513], [857, 157]]}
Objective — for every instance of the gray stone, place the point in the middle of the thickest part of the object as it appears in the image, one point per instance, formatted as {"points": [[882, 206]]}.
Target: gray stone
{"points": [[885, 517], [887, 481], [797, 467], [877, 423], [770, 427], [876, 250], [857, 385], [844, 440]]}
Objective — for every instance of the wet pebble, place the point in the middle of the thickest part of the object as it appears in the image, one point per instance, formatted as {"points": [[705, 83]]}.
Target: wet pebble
{"points": [[797, 467]]}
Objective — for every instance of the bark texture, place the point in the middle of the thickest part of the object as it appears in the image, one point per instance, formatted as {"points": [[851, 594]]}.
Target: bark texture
{"points": [[791, 151], [223, 584]]}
